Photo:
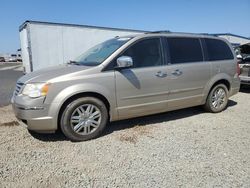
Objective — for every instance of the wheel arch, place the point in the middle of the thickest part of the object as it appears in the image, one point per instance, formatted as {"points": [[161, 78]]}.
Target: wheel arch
{"points": [[80, 95], [217, 80], [222, 81]]}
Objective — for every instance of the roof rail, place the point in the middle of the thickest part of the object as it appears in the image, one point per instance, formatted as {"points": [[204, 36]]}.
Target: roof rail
{"points": [[210, 34], [163, 31]]}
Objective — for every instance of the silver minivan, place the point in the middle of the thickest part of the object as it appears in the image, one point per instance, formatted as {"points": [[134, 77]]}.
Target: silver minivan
{"points": [[128, 77]]}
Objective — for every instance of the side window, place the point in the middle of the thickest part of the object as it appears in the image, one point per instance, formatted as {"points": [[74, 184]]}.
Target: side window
{"points": [[218, 50], [146, 53], [184, 50]]}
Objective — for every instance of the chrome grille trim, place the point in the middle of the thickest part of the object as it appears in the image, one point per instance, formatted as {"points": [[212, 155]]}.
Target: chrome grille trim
{"points": [[18, 88]]}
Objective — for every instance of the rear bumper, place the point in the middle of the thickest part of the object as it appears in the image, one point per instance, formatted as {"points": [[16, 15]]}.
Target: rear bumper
{"points": [[235, 86]]}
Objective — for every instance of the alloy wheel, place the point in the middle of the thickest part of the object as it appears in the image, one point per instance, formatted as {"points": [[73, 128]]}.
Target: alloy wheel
{"points": [[218, 98], [85, 119]]}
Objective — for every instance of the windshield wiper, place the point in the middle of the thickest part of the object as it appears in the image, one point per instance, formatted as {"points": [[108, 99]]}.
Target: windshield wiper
{"points": [[73, 62]]}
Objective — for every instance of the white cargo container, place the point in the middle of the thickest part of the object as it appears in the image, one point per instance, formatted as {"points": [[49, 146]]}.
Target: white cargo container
{"points": [[45, 44]]}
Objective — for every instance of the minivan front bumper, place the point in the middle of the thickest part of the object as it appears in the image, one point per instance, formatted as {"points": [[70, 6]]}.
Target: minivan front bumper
{"points": [[34, 116]]}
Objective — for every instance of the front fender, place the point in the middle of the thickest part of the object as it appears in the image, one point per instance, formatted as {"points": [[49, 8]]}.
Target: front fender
{"points": [[81, 88], [62, 96]]}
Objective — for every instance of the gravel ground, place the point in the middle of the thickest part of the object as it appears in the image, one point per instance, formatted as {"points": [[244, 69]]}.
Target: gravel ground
{"points": [[184, 148]]}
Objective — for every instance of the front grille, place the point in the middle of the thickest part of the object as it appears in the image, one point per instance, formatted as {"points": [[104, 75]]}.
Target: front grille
{"points": [[18, 89]]}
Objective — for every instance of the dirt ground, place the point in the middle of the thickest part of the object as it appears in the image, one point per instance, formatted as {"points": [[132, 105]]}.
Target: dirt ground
{"points": [[184, 148]]}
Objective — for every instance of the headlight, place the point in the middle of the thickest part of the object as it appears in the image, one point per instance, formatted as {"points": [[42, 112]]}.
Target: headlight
{"points": [[36, 90]]}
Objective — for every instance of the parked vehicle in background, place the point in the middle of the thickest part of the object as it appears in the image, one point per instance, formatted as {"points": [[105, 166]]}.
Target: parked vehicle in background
{"points": [[2, 59], [6, 57], [246, 59], [13, 58], [19, 55], [245, 70], [127, 77]]}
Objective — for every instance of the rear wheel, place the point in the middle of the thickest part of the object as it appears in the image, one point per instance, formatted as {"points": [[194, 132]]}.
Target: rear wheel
{"points": [[84, 119], [217, 99]]}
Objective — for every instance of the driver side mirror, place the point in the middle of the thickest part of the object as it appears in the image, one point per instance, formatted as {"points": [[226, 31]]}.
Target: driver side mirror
{"points": [[124, 62]]}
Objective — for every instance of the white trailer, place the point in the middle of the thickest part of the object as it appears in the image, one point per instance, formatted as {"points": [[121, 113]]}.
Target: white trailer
{"points": [[45, 44]]}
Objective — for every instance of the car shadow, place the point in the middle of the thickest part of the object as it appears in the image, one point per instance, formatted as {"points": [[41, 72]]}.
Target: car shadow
{"points": [[49, 137], [158, 118], [130, 123], [231, 103]]}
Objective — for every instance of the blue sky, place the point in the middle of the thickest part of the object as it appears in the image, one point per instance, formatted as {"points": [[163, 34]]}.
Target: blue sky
{"points": [[199, 16]]}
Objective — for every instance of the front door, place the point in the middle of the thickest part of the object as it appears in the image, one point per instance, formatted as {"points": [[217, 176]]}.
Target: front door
{"points": [[142, 89]]}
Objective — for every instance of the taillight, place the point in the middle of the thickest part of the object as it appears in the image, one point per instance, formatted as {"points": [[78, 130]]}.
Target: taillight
{"points": [[238, 68]]}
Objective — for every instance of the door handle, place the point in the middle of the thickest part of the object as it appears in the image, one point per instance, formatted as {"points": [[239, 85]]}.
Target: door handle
{"points": [[161, 74], [177, 72]]}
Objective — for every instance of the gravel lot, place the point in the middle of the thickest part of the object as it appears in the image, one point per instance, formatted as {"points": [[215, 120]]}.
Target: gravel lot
{"points": [[184, 148]]}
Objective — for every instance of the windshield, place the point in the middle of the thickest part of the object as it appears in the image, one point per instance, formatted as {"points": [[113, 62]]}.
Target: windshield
{"points": [[96, 55]]}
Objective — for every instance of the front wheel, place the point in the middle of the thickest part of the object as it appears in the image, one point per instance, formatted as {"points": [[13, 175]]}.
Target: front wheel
{"points": [[84, 118], [217, 99]]}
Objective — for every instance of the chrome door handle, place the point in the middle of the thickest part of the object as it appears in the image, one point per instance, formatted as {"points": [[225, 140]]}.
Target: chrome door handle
{"points": [[177, 72], [161, 74]]}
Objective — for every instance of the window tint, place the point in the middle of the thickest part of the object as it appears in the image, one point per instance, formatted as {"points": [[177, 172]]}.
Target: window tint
{"points": [[218, 50], [145, 53], [183, 50]]}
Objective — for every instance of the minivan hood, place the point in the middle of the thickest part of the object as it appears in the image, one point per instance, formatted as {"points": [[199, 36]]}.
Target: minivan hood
{"points": [[44, 75]]}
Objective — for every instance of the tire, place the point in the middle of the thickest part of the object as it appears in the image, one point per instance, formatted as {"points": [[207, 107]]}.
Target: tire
{"points": [[84, 119], [210, 104]]}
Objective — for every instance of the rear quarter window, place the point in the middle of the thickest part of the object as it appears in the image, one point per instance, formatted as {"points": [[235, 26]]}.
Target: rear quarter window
{"points": [[218, 50]]}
